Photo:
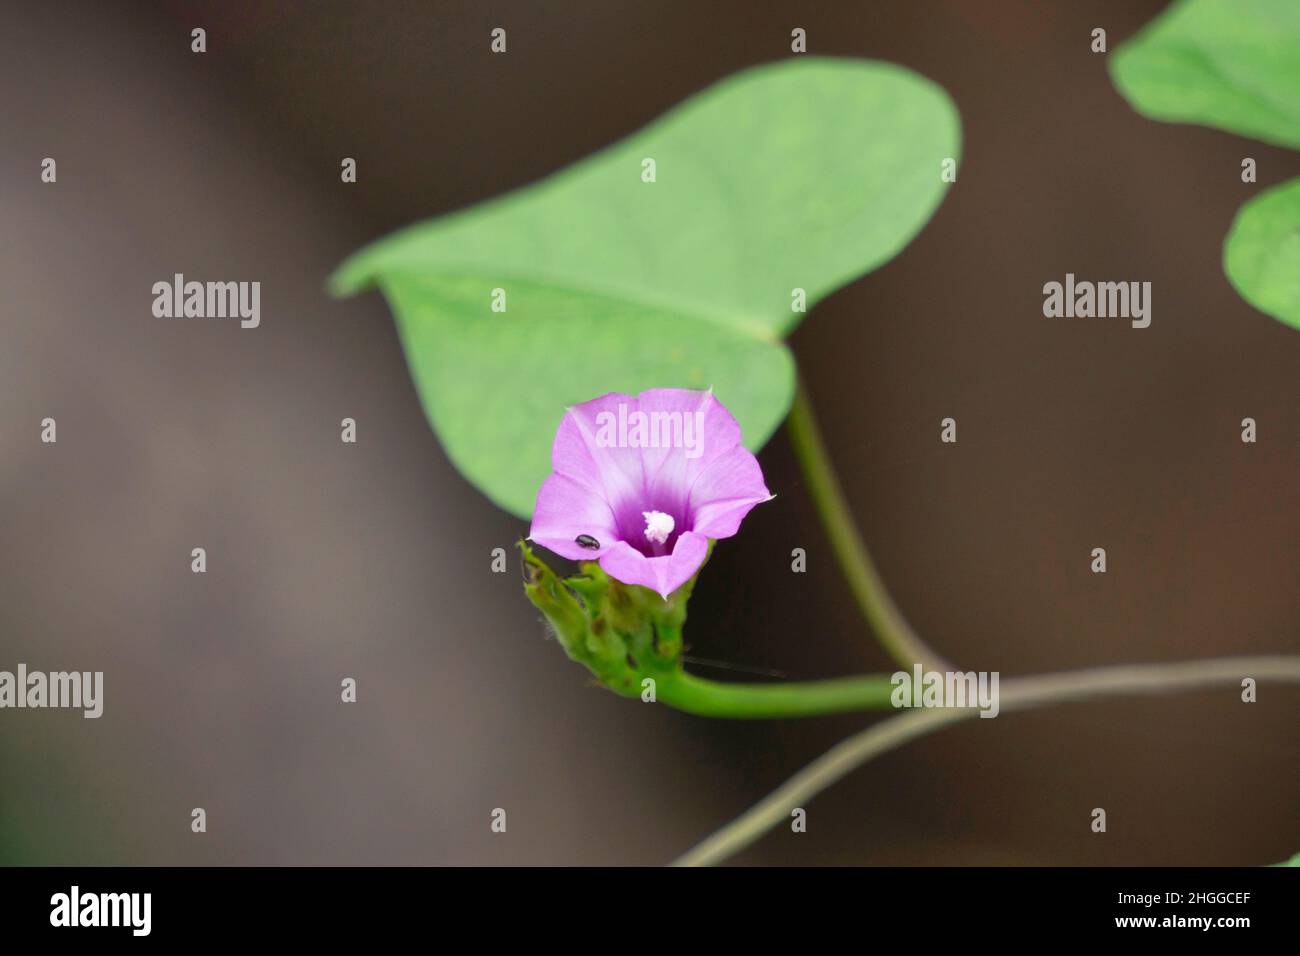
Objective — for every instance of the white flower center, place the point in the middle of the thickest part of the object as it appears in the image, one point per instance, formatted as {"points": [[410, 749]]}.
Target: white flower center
{"points": [[658, 526]]}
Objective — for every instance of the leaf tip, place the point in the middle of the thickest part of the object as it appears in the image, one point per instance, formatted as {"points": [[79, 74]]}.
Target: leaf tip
{"points": [[348, 279]]}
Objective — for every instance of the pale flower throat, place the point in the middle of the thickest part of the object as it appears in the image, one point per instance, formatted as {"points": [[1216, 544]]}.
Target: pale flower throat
{"points": [[658, 526]]}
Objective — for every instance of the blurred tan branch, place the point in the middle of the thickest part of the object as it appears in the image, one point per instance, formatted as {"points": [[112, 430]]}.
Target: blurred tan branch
{"points": [[1020, 693]]}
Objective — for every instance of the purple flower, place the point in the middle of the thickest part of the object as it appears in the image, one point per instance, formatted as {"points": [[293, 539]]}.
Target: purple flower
{"points": [[643, 482]]}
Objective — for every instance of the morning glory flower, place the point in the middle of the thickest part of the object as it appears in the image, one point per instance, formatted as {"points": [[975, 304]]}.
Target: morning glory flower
{"points": [[641, 483]]}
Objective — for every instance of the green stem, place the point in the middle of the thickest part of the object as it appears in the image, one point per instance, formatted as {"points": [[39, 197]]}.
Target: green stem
{"points": [[708, 698], [892, 630], [1021, 693]]}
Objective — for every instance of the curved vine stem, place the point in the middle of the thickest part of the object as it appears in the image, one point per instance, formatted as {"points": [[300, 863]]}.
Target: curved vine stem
{"points": [[902, 643], [1020, 693], [707, 698]]}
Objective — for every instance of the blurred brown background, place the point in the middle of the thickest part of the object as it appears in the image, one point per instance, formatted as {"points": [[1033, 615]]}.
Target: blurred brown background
{"points": [[328, 560]]}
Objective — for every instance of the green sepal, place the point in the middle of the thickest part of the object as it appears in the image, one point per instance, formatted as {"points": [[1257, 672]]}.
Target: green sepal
{"points": [[622, 633]]}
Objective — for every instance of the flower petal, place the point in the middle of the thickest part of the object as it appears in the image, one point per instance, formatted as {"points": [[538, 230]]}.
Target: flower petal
{"points": [[701, 432], [566, 509], [663, 575], [725, 492], [701, 428], [612, 472]]}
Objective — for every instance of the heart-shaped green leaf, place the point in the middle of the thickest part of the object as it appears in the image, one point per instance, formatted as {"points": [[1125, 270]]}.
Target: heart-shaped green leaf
{"points": [[801, 175], [1231, 64], [1261, 254]]}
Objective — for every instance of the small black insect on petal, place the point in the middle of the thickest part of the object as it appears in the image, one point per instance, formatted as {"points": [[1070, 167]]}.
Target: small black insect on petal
{"points": [[587, 541]]}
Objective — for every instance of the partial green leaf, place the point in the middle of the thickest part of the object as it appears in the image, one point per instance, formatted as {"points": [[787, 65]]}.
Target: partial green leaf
{"points": [[1230, 64], [1261, 254], [1294, 861], [800, 175], [495, 385]]}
